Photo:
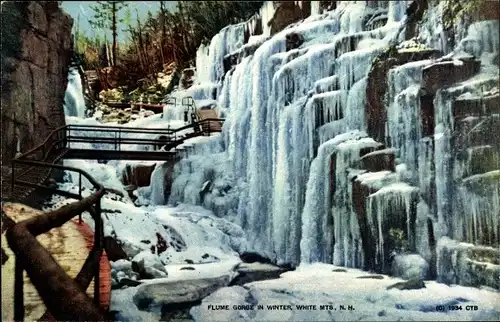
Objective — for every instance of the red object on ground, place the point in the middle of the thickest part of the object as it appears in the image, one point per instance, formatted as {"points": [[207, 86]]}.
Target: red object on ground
{"points": [[105, 267]]}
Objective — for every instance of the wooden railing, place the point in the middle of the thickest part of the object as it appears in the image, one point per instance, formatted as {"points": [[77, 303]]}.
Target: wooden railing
{"points": [[66, 298], [116, 136]]}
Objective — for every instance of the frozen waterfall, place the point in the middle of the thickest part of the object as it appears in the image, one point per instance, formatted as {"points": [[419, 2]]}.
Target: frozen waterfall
{"points": [[74, 103], [304, 177]]}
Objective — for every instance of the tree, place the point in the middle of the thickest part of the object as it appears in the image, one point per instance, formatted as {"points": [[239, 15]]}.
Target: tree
{"points": [[106, 18]]}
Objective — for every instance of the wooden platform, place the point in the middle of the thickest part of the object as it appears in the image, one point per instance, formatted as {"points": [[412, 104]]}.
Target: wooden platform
{"points": [[119, 155], [68, 244]]}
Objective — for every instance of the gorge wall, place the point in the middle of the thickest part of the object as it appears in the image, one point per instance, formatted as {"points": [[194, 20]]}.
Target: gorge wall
{"points": [[364, 136], [36, 51]]}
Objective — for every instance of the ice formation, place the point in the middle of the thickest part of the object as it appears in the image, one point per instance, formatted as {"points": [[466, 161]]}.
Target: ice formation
{"points": [[74, 103], [293, 138]]}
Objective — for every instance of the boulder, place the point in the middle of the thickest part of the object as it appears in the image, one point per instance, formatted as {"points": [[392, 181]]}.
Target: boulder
{"points": [[148, 265], [412, 284], [114, 284], [187, 77], [339, 270], [138, 175], [151, 273], [128, 282], [121, 265], [410, 266], [113, 249], [251, 272], [170, 292]]}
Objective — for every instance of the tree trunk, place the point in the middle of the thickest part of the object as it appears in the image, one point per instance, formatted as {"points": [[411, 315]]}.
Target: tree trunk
{"points": [[113, 26], [108, 55], [163, 32], [141, 42]]}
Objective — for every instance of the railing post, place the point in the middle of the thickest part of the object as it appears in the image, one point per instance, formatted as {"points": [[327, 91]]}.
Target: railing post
{"points": [[80, 194], [97, 241], [116, 141], [18, 291], [119, 139]]}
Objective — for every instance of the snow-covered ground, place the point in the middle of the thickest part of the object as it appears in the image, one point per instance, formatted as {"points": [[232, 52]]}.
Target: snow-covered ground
{"points": [[339, 294], [326, 289]]}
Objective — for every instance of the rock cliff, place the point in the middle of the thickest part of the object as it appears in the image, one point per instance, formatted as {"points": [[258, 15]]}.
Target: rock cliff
{"points": [[36, 51]]}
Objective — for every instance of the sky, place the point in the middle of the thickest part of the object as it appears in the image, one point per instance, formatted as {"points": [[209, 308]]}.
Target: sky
{"points": [[83, 8]]}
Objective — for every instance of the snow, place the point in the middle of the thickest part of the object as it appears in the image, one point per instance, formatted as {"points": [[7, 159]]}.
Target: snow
{"points": [[410, 266], [318, 284], [201, 271]]}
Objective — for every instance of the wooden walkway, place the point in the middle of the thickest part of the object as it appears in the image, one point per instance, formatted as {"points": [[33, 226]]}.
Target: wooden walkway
{"points": [[68, 244]]}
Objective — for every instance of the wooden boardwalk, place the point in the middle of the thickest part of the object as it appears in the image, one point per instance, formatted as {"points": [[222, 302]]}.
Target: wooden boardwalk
{"points": [[68, 244]]}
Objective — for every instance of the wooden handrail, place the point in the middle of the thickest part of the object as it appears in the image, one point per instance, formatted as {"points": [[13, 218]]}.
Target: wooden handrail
{"points": [[63, 296], [66, 298], [25, 154], [124, 129]]}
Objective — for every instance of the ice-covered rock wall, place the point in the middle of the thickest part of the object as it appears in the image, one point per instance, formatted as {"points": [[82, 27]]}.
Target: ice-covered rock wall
{"points": [[349, 146]]}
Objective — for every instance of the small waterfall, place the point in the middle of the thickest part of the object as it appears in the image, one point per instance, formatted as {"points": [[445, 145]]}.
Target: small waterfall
{"points": [[74, 103]]}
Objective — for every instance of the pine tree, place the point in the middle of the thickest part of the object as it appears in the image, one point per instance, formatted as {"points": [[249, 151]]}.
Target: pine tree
{"points": [[106, 18]]}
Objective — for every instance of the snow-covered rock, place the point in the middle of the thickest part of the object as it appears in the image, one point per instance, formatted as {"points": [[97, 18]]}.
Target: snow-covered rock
{"points": [[148, 265], [169, 292], [410, 266], [122, 265], [251, 272], [466, 264]]}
